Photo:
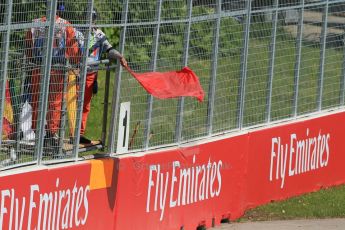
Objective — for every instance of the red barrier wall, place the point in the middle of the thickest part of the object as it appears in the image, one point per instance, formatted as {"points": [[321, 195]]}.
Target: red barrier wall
{"points": [[182, 187], [293, 159]]}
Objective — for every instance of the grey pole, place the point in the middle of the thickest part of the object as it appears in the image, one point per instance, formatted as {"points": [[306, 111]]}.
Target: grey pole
{"points": [[298, 58], [322, 55], [21, 100], [244, 64], [153, 68], [45, 79], [4, 66], [214, 60], [105, 106], [63, 119], [272, 61], [118, 76], [179, 116], [342, 80], [80, 103]]}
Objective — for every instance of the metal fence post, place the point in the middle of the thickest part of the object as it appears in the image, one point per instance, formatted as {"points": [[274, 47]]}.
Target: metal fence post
{"points": [[272, 62], [21, 101], [342, 81], [153, 67], [322, 55], [4, 64], [118, 76], [180, 106], [298, 58], [105, 106], [214, 60], [44, 87], [244, 64], [63, 111], [80, 103]]}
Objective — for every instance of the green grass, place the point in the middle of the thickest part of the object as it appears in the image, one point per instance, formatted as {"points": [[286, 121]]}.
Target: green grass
{"points": [[326, 203]]}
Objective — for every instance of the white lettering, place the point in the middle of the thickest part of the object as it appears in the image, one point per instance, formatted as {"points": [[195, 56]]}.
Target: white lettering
{"points": [[273, 155], [151, 184], [219, 177], [21, 215], [186, 186], [86, 205], [78, 206], [4, 194], [306, 154], [44, 208], [173, 180], [213, 178], [32, 205], [292, 150], [163, 199]]}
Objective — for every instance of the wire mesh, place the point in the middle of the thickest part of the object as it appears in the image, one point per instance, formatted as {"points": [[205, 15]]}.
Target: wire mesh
{"points": [[310, 59], [257, 69], [334, 57], [26, 11], [228, 74], [284, 65], [194, 114], [139, 60], [36, 80], [174, 10], [200, 52]]}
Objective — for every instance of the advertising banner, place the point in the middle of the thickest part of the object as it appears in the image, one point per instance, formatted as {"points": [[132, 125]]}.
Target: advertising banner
{"points": [[182, 188], [81, 196], [186, 188], [292, 159]]}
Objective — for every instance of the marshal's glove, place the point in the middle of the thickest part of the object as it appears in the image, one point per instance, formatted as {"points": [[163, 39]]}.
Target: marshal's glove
{"points": [[114, 54]]}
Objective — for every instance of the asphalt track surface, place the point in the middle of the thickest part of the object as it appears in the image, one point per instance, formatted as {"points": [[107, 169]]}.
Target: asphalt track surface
{"points": [[324, 224]]}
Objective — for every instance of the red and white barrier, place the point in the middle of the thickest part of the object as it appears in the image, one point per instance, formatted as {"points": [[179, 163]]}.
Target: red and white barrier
{"points": [[186, 187]]}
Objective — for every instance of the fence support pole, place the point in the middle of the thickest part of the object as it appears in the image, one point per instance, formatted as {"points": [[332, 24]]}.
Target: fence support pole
{"points": [[118, 76], [105, 106], [45, 79], [214, 60], [342, 80], [63, 119], [298, 58], [83, 72], [322, 55], [180, 107], [153, 67], [244, 64], [272, 62]]}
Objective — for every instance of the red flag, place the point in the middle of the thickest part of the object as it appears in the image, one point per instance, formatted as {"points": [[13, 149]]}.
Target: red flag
{"points": [[171, 84]]}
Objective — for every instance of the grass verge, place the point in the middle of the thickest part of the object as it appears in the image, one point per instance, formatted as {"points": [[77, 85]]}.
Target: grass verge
{"points": [[326, 203]]}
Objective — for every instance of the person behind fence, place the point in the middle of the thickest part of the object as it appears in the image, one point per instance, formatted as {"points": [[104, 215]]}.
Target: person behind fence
{"points": [[65, 47], [98, 44]]}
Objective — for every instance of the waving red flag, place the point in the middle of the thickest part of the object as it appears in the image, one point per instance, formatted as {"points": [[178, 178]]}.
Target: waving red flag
{"points": [[170, 84]]}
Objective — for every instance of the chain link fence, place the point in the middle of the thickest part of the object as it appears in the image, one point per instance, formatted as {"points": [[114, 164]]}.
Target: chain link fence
{"points": [[39, 58], [259, 61]]}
